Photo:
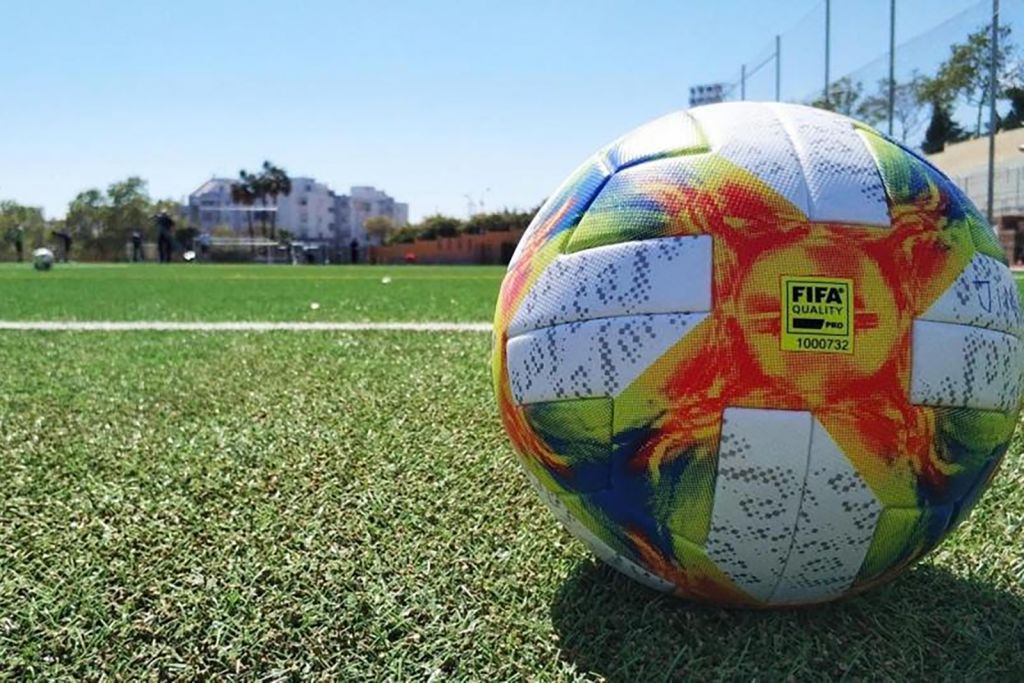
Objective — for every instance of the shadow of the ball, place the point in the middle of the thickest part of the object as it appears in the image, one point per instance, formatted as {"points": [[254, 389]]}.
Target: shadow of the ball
{"points": [[927, 624]]}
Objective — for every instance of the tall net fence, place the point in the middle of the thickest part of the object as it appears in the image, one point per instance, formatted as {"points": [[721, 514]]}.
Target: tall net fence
{"points": [[839, 53], [800, 63]]}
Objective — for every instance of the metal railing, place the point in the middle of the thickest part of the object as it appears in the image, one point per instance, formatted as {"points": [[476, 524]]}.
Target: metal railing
{"points": [[1007, 188]]}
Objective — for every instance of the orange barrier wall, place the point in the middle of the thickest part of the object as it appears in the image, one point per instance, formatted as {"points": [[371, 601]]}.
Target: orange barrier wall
{"points": [[485, 248]]}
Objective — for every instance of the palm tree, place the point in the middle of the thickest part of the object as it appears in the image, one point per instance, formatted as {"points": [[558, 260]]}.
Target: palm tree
{"points": [[261, 190], [276, 183], [245, 192]]}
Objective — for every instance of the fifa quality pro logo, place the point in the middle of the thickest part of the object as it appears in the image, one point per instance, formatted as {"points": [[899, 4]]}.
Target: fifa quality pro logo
{"points": [[817, 314]]}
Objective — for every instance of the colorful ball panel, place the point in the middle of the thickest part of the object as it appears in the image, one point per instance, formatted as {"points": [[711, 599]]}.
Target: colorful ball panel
{"points": [[759, 354]]}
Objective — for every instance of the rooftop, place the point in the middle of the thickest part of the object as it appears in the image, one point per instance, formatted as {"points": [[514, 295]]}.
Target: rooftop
{"points": [[966, 157]]}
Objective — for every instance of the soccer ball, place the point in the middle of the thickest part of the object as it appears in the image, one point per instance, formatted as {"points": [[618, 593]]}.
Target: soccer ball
{"points": [[42, 259], [759, 354]]}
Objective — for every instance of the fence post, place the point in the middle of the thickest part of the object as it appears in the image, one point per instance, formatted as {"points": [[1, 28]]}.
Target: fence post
{"points": [[828, 22], [778, 66], [992, 86], [892, 62]]}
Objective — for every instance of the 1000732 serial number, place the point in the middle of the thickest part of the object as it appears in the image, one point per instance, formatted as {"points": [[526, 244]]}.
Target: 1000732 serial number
{"points": [[816, 344]]}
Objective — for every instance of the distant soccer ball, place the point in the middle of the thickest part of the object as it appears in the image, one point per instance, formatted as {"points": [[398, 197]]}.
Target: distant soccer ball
{"points": [[189, 256], [759, 354], [42, 259]]}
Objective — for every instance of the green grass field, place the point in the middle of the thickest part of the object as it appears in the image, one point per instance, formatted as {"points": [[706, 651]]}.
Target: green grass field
{"points": [[183, 292], [346, 506]]}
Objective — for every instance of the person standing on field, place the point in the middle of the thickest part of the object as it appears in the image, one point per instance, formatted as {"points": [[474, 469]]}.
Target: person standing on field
{"points": [[137, 246], [164, 240], [65, 240], [204, 246], [16, 236]]}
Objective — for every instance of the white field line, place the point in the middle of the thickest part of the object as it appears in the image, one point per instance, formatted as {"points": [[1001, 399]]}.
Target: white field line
{"points": [[245, 326]]}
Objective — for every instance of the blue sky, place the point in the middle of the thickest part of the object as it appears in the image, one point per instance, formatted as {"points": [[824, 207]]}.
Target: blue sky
{"points": [[428, 100]]}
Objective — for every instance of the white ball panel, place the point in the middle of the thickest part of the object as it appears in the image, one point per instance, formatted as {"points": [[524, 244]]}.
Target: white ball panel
{"points": [[668, 275], [965, 367], [984, 295], [843, 181], [592, 358], [838, 515], [762, 459], [675, 133]]}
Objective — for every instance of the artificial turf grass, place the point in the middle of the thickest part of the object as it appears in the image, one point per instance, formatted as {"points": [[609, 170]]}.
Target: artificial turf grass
{"points": [[346, 505], [251, 292], [205, 292]]}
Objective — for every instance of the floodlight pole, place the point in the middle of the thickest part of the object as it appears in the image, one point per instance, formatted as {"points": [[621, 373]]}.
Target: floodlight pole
{"points": [[778, 66], [828, 35], [743, 81], [892, 62], [992, 87]]}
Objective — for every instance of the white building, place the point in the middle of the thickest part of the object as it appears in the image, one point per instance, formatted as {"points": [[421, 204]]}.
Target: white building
{"points": [[368, 201], [210, 206], [343, 219], [308, 211], [312, 212]]}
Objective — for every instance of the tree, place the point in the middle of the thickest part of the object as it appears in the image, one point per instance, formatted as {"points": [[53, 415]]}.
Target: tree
{"points": [[499, 221], [404, 235], [908, 107], [1015, 117], [274, 181], [128, 208], [438, 225], [941, 130], [379, 228], [262, 186], [169, 205], [966, 73], [86, 215], [102, 221], [29, 219], [843, 97], [244, 192]]}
